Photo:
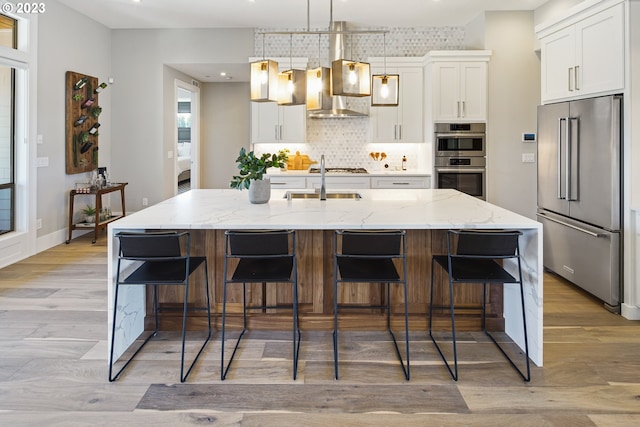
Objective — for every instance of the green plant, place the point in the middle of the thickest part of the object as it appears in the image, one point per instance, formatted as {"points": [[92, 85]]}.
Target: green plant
{"points": [[253, 167], [95, 111], [89, 210]]}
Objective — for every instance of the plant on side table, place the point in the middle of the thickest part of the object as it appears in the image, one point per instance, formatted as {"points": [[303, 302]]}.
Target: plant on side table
{"points": [[89, 214], [252, 170]]}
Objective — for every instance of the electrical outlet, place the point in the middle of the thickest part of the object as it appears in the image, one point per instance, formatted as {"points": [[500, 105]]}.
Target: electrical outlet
{"points": [[38, 223], [145, 201]]}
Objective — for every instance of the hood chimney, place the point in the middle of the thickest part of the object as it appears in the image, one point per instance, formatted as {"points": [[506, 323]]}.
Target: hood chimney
{"points": [[337, 49]]}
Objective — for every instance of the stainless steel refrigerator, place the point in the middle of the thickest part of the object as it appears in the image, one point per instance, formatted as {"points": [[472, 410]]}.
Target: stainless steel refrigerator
{"points": [[579, 193]]}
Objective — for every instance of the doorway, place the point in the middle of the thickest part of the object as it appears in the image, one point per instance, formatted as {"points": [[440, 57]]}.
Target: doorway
{"points": [[187, 137]]}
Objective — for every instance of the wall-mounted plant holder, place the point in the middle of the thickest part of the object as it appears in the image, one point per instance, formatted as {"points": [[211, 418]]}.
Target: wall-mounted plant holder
{"points": [[82, 112]]}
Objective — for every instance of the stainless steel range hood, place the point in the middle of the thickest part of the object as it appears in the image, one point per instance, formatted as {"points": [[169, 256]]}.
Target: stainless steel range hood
{"points": [[336, 51]]}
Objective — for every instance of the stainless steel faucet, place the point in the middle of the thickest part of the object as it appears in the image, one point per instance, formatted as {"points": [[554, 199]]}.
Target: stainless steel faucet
{"points": [[323, 188]]}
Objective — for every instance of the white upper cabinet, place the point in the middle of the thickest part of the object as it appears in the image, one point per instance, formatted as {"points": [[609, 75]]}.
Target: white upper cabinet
{"points": [[403, 123], [271, 122], [583, 53], [457, 86]]}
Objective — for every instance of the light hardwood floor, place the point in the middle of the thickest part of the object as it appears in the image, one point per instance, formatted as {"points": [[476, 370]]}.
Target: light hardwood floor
{"points": [[53, 368]]}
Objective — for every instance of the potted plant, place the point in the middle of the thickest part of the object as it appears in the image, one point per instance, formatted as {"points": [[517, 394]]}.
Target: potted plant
{"points": [[252, 170], [89, 214]]}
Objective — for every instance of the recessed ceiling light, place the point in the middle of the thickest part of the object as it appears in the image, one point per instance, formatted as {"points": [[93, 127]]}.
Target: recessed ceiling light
{"points": [[228, 78], [223, 73]]}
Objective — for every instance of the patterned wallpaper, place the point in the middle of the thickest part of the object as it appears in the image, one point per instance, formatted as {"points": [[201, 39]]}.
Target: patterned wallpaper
{"points": [[344, 142]]}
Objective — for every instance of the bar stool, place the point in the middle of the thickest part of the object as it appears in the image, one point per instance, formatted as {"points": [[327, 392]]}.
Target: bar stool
{"points": [[474, 261], [160, 261], [263, 256], [368, 256]]}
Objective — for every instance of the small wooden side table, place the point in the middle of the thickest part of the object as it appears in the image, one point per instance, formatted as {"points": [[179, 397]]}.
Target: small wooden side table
{"points": [[98, 224]]}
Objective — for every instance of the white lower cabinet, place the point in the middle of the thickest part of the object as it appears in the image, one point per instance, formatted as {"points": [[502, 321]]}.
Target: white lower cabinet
{"points": [[401, 182], [339, 182], [342, 182], [288, 182]]}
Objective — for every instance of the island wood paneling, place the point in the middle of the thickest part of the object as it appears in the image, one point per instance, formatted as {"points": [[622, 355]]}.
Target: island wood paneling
{"points": [[315, 289]]}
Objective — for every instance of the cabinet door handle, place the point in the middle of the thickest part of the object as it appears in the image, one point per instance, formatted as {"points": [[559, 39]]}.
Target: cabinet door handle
{"points": [[275, 132], [463, 110], [280, 132], [458, 108], [570, 70], [575, 77], [395, 131], [399, 131]]}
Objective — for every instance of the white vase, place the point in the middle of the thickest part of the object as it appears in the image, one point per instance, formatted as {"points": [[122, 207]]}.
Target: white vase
{"points": [[260, 191]]}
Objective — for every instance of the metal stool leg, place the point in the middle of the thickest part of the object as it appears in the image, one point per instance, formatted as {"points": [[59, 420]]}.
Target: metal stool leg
{"points": [[113, 332], [183, 377], [224, 371], [453, 372]]}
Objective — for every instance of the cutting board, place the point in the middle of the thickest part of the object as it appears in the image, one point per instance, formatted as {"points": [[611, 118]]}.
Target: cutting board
{"points": [[299, 162]]}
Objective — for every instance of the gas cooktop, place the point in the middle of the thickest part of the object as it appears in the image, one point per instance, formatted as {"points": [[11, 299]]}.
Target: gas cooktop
{"points": [[339, 170]]}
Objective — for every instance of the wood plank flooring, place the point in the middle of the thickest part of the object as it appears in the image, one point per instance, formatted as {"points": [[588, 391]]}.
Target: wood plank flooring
{"points": [[53, 366]]}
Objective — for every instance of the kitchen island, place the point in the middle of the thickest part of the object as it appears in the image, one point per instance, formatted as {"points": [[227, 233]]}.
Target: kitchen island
{"points": [[425, 214]]}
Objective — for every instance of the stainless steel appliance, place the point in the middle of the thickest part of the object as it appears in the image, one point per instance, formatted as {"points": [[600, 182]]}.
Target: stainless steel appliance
{"points": [[579, 193], [339, 170], [459, 160]]}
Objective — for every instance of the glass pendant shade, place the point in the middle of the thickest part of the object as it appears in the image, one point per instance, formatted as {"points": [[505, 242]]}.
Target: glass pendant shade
{"points": [[350, 78], [292, 87], [319, 89], [384, 90], [264, 81]]}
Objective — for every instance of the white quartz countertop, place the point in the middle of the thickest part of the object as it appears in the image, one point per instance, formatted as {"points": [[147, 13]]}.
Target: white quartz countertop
{"points": [[378, 208]]}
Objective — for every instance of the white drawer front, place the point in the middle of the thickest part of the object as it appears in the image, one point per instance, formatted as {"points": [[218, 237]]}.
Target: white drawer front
{"points": [[288, 182], [401, 182]]}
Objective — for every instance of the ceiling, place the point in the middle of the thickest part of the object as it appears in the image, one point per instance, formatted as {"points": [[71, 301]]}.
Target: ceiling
{"points": [[283, 14]]}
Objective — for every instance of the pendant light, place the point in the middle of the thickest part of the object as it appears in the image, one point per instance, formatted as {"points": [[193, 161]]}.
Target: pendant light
{"points": [[385, 87], [319, 86], [264, 79], [350, 78], [292, 84]]}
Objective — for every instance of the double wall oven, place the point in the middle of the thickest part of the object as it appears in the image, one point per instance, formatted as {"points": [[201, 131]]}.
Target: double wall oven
{"points": [[459, 160]]}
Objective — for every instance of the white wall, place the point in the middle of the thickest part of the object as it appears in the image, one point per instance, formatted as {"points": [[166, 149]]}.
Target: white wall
{"points": [[225, 127], [138, 59], [514, 93], [67, 41]]}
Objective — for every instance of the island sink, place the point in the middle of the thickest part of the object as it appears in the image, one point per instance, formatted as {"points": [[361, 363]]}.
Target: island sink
{"points": [[306, 195]]}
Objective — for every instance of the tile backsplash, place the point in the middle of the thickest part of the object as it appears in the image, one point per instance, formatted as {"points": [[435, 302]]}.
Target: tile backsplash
{"points": [[344, 141]]}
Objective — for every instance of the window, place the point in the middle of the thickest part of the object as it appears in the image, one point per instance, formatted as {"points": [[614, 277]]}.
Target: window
{"points": [[8, 38]]}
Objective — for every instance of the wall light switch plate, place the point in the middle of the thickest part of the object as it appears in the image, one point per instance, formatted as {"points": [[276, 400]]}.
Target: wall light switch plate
{"points": [[42, 162], [170, 154], [528, 157]]}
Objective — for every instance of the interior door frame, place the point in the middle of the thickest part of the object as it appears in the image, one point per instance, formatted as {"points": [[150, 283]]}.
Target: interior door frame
{"points": [[195, 133]]}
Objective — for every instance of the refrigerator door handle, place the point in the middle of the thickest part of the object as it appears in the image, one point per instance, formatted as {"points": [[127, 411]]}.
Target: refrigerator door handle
{"points": [[559, 166], [590, 233], [570, 195], [567, 159]]}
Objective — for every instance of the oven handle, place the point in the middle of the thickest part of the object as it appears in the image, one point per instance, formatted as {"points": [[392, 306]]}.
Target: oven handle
{"points": [[462, 169], [459, 134]]}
